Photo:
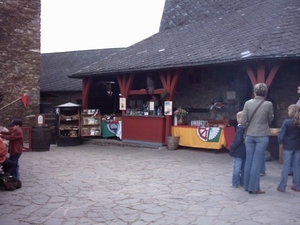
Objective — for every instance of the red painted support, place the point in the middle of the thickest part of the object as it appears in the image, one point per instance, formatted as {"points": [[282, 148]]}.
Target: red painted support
{"points": [[261, 73], [125, 82], [251, 75], [169, 81], [86, 86], [272, 74]]}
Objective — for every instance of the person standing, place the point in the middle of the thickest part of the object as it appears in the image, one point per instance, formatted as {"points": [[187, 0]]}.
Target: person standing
{"points": [[289, 137], [256, 117], [237, 150], [297, 103], [15, 137]]}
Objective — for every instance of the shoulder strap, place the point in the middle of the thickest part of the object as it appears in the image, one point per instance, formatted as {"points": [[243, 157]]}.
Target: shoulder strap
{"points": [[255, 111]]}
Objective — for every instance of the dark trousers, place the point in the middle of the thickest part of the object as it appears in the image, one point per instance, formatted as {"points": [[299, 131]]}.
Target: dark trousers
{"points": [[15, 159], [9, 167]]}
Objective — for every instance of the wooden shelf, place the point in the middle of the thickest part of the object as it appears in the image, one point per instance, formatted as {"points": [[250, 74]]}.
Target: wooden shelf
{"points": [[90, 122]]}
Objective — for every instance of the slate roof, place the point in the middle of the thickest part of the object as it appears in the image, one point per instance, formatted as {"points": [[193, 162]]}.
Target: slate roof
{"points": [[216, 32], [56, 67], [182, 12]]}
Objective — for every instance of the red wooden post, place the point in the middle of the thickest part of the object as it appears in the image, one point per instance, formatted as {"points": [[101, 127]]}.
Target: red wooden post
{"points": [[86, 86], [251, 75], [272, 74], [125, 82], [169, 81], [261, 73]]}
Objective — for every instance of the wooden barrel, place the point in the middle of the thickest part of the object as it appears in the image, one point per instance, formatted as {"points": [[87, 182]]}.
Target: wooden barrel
{"points": [[173, 142], [41, 137]]}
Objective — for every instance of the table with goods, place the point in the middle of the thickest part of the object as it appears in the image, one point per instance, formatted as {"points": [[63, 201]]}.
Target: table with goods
{"points": [[210, 134]]}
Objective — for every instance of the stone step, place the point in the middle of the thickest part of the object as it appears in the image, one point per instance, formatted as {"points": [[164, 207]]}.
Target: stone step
{"points": [[117, 142]]}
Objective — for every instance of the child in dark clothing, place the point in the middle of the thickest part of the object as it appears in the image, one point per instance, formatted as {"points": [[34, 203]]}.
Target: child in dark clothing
{"points": [[289, 137], [238, 152]]}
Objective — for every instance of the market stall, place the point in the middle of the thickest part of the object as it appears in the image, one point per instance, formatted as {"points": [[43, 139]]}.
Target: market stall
{"points": [[204, 137]]}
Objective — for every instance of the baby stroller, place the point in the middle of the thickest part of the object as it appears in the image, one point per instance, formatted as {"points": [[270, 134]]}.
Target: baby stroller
{"points": [[8, 182]]}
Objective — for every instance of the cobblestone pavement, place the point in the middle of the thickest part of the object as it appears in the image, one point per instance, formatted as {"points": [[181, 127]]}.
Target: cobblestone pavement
{"points": [[92, 184]]}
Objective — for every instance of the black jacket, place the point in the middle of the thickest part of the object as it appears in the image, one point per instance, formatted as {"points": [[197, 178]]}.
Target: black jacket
{"points": [[237, 147]]}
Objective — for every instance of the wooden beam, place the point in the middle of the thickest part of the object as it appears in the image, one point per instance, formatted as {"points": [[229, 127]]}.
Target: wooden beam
{"points": [[86, 86], [169, 80], [162, 79], [261, 73], [272, 74], [175, 79], [125, 82], [261, 76], [121, 81], [251, 75]]}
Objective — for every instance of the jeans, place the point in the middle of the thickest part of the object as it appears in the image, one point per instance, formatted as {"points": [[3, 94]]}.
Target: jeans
{"points": [[290, 157], [291, 166], [255, 152], [263, 168], [238, 172], [15, 158]]}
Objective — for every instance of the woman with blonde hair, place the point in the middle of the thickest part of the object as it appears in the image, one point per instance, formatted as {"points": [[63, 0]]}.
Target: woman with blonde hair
{"points": [[289, 137], [256, 117]]}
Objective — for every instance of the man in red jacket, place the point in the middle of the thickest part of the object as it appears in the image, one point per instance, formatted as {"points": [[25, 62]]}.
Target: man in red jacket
{"points": [[15, 137]]}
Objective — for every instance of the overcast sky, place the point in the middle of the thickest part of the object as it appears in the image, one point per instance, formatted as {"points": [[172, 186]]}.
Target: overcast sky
{"points": [[69, 25]]}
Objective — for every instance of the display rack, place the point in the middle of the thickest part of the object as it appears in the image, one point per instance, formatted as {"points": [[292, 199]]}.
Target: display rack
{"points": [[90, 122], [68, 124]]}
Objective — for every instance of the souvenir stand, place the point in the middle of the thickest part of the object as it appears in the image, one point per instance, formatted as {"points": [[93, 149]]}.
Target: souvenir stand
{"points": [[143, 129], [140, 127], [90, 123], [145, 124], [68, 120]]}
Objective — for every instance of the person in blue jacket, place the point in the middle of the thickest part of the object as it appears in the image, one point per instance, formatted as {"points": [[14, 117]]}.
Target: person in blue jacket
{"points": [[289, 137], [238, 152], [297, 103]]}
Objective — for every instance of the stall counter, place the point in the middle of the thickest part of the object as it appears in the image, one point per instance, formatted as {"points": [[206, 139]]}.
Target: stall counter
{"points": [[143, 129]]}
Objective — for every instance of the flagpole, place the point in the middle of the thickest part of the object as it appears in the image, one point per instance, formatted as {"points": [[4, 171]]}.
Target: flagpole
{"points": [[11, 103]]}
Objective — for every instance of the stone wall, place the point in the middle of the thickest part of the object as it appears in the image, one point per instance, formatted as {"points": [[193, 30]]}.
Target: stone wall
{"points": [[19, 59], [215, 82]]}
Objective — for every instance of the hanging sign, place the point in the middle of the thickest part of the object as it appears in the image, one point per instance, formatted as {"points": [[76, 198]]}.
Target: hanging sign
{"points": [[168, 108], [122, 105]]}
